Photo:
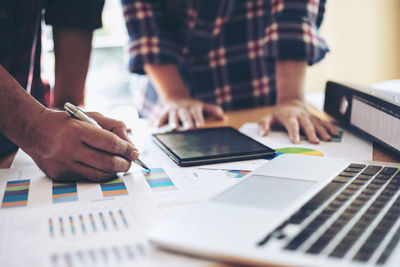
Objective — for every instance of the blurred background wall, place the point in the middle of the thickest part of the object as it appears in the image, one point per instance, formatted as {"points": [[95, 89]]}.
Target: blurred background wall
{"points": [[364, 38]]}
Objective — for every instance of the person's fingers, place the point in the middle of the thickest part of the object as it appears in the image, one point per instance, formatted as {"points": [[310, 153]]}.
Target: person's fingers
{"points": [[115, 126], [292, 126], [186, 118], [321, 130], [197, 115], [308, 129], [101, 160], [264, 125], [107, 141], [330, 127], [173, 120], [163, 119], [213, 110]]}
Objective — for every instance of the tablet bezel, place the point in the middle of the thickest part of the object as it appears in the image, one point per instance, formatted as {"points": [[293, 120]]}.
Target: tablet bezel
{"points": [[267, 152]]}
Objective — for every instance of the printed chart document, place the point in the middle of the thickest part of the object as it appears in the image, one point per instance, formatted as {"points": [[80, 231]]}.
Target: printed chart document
{"points": [[49, 223], [347, 145]]}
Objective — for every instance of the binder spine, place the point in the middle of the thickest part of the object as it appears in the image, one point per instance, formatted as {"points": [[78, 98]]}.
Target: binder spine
{"points": [[373, 117]]}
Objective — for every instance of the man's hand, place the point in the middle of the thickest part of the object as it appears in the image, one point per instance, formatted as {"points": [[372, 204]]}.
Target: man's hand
{"points": [[69, 149], [290, 110], [294, 116], [188, 112], [179, 107]]}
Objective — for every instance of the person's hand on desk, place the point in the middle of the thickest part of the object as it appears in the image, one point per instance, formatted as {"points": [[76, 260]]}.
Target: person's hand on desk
{"points": [[293, 115], [179, 109], [69, 149], [290, 110], [187, 113]]}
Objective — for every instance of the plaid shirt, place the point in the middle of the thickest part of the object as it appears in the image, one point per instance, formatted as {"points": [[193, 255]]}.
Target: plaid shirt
{"points": [[225, 50], [20, 46]]}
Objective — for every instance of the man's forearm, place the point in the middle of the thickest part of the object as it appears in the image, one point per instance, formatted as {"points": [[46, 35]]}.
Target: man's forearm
{"points": [[167, 81], [290, 79], [17, 108], [72, 50]]}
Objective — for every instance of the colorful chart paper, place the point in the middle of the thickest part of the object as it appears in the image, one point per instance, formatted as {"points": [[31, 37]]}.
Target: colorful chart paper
{"points": [[16, 194], [92, 223], [121, 213], [83, 225], [158, 180], [72, 224], [114, 188], [64, 192], [236, 173], [51, 227], [299, 150], [97, 222], [103, 221]]}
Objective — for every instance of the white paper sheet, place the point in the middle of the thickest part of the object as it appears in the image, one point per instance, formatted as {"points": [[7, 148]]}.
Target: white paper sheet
{"points": [[114, 244], [350, 146]]}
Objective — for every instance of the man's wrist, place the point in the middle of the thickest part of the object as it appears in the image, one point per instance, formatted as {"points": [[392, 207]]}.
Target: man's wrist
{"points": [[290, 80], [290, 99], [176, 95], [26, 135]]}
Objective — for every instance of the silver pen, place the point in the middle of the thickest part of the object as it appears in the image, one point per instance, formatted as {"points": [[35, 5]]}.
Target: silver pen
{"points": [[80, 114]]}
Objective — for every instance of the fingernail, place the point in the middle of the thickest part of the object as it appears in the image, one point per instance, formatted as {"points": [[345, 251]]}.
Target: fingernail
{"points": [[134, 153]]}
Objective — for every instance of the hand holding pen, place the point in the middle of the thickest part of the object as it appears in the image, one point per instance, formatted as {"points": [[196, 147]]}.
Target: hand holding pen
{"points": [[68, 149], [80, 114]]}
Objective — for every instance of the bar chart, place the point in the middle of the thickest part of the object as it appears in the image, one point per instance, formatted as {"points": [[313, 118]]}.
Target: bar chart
{"points": [[16, 194], [236, 173], [158, 180], [64, 192], [122, 255], [90, 223], [114, 188]]}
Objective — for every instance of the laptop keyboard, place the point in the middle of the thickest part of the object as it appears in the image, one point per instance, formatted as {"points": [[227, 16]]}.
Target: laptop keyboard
{"points": [[362, 194]]}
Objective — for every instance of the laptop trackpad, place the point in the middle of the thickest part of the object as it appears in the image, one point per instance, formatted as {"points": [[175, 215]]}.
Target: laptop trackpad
{"points": [[265, 192]]}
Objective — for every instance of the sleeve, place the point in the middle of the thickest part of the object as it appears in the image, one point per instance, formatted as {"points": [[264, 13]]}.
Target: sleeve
{"points": [[292, 31], [153, 34], [79, 14]]}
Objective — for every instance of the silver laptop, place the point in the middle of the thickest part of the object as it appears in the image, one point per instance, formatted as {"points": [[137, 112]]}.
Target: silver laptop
{"points": [[297, 210]]}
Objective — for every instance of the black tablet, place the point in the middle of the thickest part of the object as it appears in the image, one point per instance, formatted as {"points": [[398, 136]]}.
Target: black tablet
{"points": [[210, 145]]}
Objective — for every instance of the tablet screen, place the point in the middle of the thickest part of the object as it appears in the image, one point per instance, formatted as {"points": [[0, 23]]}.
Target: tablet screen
{"points": [[210, 143]]}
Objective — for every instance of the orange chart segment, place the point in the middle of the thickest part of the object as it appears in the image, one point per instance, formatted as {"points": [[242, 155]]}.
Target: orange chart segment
{"points": [[114, 188], [299, 150]]}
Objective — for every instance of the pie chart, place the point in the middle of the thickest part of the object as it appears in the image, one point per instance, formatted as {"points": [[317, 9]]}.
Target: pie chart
{"points": [[237, 173], [299, 150]]}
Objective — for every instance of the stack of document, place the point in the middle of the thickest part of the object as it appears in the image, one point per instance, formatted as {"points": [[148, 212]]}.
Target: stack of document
{"points": [[48, 223]]}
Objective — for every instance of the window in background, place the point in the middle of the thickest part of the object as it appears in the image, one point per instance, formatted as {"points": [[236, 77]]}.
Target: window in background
{"points": [[108, 78], [108, 81]]}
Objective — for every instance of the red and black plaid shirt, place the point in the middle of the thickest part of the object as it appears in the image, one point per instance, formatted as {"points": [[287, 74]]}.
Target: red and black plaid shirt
{"points": [[226, 49], [20, 41]]}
